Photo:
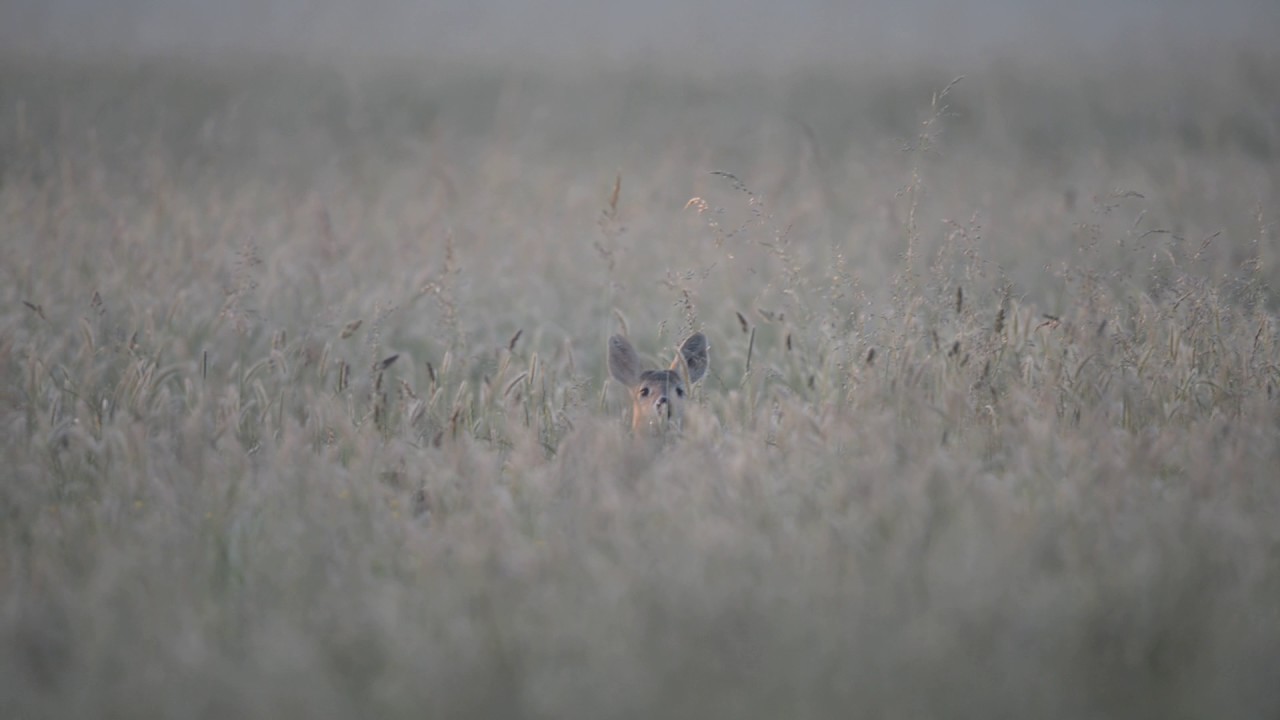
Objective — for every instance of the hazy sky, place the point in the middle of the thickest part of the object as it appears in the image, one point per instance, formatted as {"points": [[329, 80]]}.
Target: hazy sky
{"points": [[728, 31]]}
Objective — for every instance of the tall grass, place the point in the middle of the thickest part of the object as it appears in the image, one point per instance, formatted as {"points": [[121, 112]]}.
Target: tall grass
{"points": [[304, 407]]}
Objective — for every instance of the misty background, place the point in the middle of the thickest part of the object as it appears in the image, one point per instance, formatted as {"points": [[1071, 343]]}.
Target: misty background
{"points": [[728, 32]]}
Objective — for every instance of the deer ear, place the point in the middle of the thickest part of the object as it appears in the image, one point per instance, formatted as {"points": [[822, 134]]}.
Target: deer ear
{"points": [[624, 364], [694, 352]]}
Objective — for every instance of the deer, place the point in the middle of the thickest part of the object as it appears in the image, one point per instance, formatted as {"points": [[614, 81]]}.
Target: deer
{"points": [[658, 396]]}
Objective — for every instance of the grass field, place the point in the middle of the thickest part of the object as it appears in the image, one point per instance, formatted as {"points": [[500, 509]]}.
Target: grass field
{"points": [[304, 413]]}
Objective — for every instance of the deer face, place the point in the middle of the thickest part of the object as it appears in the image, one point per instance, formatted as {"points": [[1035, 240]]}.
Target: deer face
{"points": [[658, 396]]}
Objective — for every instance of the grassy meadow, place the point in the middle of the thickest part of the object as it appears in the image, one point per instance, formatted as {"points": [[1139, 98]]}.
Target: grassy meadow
{"points": [[304, 411]]}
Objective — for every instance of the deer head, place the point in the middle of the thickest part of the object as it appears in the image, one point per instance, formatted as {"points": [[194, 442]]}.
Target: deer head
{"points": [[658, 396]]}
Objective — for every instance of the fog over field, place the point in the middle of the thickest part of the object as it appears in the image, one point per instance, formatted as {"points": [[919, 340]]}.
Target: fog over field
{"points": [[716, 31], [305, 408]]}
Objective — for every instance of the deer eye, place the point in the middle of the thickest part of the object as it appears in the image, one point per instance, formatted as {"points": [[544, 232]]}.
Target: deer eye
{"points": [[644, 392], [680, 392]]}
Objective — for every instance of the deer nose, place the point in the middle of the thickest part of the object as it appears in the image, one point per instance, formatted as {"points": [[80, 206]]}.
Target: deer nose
{"points": [[663, 404]]}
